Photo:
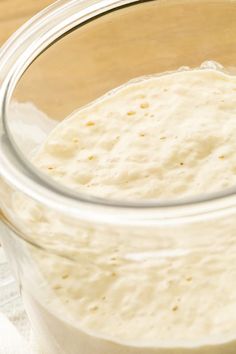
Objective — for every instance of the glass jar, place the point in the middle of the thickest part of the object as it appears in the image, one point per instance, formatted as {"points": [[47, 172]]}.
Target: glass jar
{"points": [[100, 276]]}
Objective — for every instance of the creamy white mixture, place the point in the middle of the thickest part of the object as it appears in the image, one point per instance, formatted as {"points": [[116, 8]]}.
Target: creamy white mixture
{"points": [[160, 137]]}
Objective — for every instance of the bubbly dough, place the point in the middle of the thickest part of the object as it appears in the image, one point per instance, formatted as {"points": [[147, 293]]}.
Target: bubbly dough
{"points": [[163, 136], [160, 137]]}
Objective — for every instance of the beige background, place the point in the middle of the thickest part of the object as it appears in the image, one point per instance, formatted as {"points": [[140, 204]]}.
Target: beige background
{"points": [[13, 13], [113, 49]]}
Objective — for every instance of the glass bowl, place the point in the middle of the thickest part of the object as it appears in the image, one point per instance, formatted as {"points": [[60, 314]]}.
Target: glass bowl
{"points": [[95, 273]]}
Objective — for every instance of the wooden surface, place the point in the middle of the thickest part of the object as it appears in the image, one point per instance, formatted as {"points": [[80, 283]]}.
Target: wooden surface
{"points": [[13, 13], [152, 37]]}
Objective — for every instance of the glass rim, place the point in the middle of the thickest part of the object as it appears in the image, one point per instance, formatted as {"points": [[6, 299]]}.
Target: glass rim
{"points": [[19, 52]]}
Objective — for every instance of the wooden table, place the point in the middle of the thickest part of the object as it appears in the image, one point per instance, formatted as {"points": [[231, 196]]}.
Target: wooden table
{"points": [[13, 13], [105, 53]]}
